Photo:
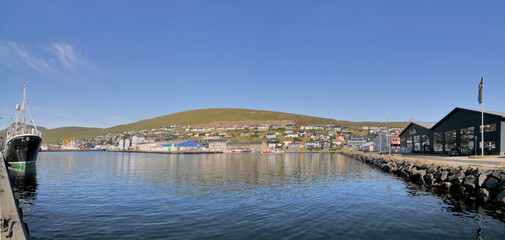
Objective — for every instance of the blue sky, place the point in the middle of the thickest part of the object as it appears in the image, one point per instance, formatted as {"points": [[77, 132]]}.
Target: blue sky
{"points": [[104, 63]]}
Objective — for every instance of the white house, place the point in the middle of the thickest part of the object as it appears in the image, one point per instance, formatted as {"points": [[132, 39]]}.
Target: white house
{"points": [[217, 145], [137, 140], [292, 135]]}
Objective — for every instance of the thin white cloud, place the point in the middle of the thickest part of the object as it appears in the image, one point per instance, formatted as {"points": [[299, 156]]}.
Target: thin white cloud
{"points": [[69, 58], [15, 55]]}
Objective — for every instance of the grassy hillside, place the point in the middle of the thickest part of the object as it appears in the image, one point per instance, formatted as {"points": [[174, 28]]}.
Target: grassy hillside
{"points": [[201, 116], [58, 134]]}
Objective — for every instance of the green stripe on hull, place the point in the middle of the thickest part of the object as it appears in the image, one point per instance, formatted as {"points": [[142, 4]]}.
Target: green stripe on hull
{"points": [[21, 165]]}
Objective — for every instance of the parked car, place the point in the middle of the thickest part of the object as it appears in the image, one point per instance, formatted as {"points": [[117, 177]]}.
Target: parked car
{"points": [[458, 151]]}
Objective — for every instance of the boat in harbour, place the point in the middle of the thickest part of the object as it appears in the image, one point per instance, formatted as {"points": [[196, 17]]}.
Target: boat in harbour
{"points": [[23, 139]]}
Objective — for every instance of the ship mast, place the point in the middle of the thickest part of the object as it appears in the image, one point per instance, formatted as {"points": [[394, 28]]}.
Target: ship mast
{"points": [[24, 107]]}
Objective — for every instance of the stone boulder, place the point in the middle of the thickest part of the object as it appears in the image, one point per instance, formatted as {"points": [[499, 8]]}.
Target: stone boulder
{"points": [[443, 176], [482, 177], [437, 174], [500, 198], [457, 177], [500, 186], [483, 195], [384, 167], [470, 182], [446, 186], [404, 174], [429, 179], [461, 190], [418, 176], [431, 169], [490, 183], [499, 174]]}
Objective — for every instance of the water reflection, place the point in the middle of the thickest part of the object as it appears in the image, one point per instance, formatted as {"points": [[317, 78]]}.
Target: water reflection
{"points": [[236, 196], [24, 183], [234, 171]]}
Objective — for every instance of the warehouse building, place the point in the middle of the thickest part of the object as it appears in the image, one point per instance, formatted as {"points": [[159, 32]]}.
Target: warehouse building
{"points": [[246, 146], [416, 137], [169, 146], [459, 129]]}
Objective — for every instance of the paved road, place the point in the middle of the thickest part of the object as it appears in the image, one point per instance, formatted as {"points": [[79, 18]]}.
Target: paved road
{"points": [[492, 162]]}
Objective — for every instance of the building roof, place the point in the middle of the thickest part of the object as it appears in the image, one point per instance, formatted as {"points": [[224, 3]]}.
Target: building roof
{"points": [[500, 114], [183, 143], [485, 111], [427, 125], [431, 125]]}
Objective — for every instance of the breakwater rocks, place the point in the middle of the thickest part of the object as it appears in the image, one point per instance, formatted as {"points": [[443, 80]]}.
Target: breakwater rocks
{"points": [[486, 187]]}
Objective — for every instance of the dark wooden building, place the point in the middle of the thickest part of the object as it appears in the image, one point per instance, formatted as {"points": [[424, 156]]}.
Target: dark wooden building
{"points": [[460, 129]]}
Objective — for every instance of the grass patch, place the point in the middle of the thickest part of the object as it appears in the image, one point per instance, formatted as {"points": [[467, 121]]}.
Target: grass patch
{"points": [[485, 156], [472, 166], [303, 149]]}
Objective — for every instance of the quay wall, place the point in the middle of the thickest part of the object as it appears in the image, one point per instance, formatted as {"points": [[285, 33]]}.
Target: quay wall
{"points": [[9, 208], [487, 186]]}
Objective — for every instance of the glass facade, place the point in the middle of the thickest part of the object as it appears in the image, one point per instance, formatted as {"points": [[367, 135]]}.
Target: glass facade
{"points": [[460, 129], [403, 142], [490, 144], [467, 139], [450, 140], [425, 143], [417, 143], [491, 127], [437, 142]]}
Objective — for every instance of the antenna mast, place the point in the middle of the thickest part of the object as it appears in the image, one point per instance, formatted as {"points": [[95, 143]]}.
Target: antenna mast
{"points": [[24, 107]]}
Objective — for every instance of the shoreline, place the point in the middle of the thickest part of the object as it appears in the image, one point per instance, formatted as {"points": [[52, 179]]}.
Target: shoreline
{"points": [[484, 188], [191, 152]]}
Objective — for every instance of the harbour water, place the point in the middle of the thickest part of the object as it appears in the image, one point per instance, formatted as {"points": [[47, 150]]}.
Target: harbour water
{"points": [[105, 195]]}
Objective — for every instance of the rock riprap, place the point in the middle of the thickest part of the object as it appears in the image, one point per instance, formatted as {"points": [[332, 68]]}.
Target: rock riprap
{"points": [[486, 186]]}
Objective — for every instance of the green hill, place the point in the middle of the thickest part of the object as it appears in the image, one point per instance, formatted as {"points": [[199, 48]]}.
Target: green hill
{"points": [[201, 116]]}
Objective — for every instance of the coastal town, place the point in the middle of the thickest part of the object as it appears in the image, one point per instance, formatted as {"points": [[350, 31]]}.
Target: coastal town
{"points": [[268, 137], [252, 120]]}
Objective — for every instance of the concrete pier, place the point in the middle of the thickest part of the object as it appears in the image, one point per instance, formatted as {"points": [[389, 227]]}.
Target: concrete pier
{"points": [[9, 209]]}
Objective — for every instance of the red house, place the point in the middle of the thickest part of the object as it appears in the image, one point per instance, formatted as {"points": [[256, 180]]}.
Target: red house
{"points": [[395, 144]]}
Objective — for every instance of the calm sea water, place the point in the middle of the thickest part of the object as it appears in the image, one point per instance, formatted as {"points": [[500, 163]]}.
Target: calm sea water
{"points": [[101, 195]]}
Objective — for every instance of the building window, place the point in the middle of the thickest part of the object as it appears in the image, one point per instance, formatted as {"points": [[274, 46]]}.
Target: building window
{"points": [[437, 142], [491, 144], [417, 143], [467, 139], [425, 143], [450, 139], [403, 142], [491, 127]]}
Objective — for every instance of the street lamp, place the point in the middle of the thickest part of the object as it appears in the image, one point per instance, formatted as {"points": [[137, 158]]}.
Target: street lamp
{"points": [[388, 138]]}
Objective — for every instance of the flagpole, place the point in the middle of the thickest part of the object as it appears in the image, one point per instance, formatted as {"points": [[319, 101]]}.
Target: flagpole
{"points": [[482, 110]]}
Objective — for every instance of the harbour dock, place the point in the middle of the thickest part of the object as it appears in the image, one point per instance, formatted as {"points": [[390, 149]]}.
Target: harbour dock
{"points": [[13, 226]]}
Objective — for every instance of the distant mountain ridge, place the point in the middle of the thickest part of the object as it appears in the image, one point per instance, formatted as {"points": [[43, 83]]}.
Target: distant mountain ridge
{"points": [[199, 117]]}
